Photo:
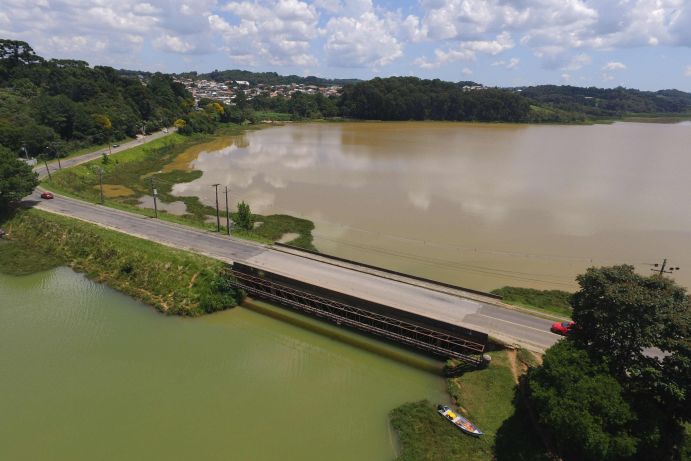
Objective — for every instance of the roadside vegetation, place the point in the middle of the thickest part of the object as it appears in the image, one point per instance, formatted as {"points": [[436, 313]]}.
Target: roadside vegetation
{"points": [[551, 301], [487, 397], [173, 281], [597, 395], [17, 258], [128, 177]]}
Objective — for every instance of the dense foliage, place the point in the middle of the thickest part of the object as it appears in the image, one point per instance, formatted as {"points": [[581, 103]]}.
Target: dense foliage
{"points": [[68, 102], [608, 102], [17, 180], [410, 98], [601, 393]]}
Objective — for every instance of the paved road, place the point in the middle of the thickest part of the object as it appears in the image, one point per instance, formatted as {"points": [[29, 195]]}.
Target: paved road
{"points": [[505, 324], [68, 162]]}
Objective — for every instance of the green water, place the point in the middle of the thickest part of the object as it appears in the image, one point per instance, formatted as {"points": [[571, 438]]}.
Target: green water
{"points": [[88, 373]]}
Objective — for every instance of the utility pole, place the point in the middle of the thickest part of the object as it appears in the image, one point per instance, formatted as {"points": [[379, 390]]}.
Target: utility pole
{"points": [[154, 193], [218, 216], [45, 162], [100, 180], [227, 213], [662, 268]]}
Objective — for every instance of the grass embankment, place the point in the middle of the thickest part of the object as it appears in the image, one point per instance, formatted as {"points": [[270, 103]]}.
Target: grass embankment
{"points": [[173, 281], [128, 175], [17, 258], [488, 397], [551, 301]]}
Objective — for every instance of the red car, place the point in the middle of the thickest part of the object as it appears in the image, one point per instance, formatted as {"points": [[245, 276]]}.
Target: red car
{"points": [[562, 328], [47, 195]]}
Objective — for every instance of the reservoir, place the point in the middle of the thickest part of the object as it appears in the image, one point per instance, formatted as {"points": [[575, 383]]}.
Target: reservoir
{"points": [[477, 205], [88, 373]]}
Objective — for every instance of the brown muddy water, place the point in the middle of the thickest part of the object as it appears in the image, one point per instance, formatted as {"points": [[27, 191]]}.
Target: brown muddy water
{"points": [[478, 205]]}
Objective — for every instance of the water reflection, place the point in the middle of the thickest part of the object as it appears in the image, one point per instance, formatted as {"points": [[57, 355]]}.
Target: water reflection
{"points": [[566, 191]]}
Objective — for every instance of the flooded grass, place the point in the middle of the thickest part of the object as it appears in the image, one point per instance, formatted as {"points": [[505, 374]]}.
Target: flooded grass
{"points": [[162, 164]]}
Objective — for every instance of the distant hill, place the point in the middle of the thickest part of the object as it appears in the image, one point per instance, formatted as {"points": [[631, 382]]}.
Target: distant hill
{"points": [[607, 102], [266, 78]]}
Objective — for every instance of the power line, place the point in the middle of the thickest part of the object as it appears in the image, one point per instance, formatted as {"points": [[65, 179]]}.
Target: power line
{"points": [[662, 268]]}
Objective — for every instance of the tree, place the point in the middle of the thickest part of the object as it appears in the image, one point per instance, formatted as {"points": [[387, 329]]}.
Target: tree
{"points": [[17, 180], [581, 405], [245, 220], [619, 313]]}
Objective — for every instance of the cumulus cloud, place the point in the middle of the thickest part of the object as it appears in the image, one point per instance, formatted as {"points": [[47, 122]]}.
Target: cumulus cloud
{"points": [[687, 71], [275, 32], [510, 64], [467, 50], [614, 66], [362, 40]]}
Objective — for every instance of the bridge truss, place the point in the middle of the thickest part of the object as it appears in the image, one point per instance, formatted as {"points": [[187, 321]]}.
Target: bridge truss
{"points": [[417, 336]]}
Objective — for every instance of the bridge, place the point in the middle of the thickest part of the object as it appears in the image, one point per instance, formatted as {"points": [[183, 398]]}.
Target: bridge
{"points": [[436, 318]]}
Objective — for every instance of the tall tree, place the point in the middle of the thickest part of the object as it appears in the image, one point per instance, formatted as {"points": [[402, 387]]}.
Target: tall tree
{"points": [[17, 180]]}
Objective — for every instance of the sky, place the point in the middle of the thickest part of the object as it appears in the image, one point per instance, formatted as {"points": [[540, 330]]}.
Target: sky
{"points": [[642, 44]]}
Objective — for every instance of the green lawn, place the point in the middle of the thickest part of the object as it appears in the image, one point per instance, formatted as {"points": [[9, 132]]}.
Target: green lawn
{"points": [[17, 258], [486, 397], [549, 301]]}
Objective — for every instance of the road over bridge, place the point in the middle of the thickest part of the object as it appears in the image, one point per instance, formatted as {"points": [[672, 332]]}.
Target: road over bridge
{"points": [[454, 306]]}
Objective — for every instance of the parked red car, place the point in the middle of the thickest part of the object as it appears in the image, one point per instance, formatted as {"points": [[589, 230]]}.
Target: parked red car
{"points": [[47, 195], [562, 328]]}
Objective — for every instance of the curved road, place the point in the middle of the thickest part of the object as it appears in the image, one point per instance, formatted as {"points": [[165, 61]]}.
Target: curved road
{"points": [[509, 325]]}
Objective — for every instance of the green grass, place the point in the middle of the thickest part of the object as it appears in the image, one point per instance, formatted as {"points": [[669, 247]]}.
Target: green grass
{"points": [[486, 397], [173, 281], [550, 301], [274, 116], [17, 258], [134, 169]]}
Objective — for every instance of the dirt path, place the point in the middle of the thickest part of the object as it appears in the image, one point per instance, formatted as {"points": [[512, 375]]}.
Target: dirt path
{"points": [[513, 364]]}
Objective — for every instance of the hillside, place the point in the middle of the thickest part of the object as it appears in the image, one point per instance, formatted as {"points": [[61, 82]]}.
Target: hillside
{"points": [[66, 104]]}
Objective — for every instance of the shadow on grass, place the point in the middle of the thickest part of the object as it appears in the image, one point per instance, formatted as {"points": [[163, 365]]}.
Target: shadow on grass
{"points": [[517, 438]]}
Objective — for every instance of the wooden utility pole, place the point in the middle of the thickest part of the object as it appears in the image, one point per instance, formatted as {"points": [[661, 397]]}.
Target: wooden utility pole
{"points": [[662, 268], [218, 216], [227, 214], [154, 194], [45, 162], [100, 180]]}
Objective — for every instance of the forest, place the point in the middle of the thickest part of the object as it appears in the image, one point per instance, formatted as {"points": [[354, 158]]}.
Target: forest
{"points": [[48, 107]]}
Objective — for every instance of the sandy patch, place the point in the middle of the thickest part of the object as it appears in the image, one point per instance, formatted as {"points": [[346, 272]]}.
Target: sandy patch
{"points": [[115, 190], [287, 237], [182, 162]]}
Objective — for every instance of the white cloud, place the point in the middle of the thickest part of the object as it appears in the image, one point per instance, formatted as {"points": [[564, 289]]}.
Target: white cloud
{"points": [[467, 50], [467, 71], [173, 44], [578, 62], [361, 41], [510, 64], [566, 77], [687, 71], [614, 66], [275, 32]]}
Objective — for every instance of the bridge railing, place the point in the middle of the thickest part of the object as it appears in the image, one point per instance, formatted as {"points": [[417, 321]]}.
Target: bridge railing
{"points": [[411, 334]]}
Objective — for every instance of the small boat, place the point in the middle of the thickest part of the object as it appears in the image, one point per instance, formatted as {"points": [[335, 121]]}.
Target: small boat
{"points": [[459, 421]]}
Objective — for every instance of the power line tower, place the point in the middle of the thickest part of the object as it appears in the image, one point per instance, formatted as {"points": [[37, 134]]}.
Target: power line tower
{"points": [[662, 268]]}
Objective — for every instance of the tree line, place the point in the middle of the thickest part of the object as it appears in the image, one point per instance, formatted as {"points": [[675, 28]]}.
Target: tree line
{"points": [[619, 386], [65, 104]]}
